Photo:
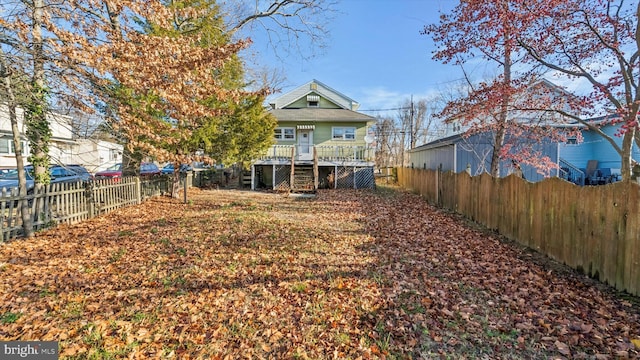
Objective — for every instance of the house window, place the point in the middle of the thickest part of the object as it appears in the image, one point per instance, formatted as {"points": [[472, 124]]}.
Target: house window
{"points": [[4, 146], [285, 134], [13, 148], [313, 100], [343, 133]]}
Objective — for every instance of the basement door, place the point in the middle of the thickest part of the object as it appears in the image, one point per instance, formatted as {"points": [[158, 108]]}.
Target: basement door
{"points": [[305, 143]]}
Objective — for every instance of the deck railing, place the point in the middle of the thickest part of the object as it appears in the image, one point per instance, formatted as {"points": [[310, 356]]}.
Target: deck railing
{"points": [[324, 152]]}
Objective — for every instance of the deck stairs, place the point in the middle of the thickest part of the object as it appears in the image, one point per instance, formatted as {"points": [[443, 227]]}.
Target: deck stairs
{"points": [[303, 179]]}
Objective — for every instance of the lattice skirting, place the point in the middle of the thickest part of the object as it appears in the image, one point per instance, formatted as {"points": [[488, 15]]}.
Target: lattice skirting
{"points": [[355, 178], [282, 177], [365, 178], [347, 177]]}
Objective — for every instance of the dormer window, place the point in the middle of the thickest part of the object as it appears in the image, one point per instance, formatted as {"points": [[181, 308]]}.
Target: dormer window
{"points": [[313, 100]]}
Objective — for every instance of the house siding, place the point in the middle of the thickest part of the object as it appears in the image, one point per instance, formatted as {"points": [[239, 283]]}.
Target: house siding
{"points": [[595, 147], [60, 146], [606, 155], [577, 154], [475, 151], [444, 155], [302, 103], [315, 87], [323, 134]]}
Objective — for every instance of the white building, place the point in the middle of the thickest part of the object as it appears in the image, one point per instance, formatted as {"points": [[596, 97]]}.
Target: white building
{"points": [[64, 147]]}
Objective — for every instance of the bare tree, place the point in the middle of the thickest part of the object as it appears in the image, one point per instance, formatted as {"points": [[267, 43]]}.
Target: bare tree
{"points": [[296, 27], [418, 120], [10, 100], [385, 132]]}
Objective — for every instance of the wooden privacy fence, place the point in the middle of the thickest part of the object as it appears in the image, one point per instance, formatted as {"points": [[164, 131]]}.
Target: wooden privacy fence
{"points": [[594, 229], [75, 202]]}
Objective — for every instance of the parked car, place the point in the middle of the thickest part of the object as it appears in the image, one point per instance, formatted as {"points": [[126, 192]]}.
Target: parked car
{"points": [[58, 174], [168, 169], [115, 171], [149, 169]]}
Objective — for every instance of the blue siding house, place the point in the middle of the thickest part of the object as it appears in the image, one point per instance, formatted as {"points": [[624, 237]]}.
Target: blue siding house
{"points": [[592, 161]]}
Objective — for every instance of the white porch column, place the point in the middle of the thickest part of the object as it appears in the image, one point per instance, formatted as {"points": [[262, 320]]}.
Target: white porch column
{"points": [[253, 177]]}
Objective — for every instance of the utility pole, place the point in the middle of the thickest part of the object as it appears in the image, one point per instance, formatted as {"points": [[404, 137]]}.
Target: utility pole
{"points": [[411, 143]]}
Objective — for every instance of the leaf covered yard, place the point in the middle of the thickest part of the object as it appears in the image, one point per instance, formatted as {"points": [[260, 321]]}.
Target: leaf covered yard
{"points": [[347, 274]]}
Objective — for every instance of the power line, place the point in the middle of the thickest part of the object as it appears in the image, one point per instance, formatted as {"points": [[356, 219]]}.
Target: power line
{"points": [[398, 108]]}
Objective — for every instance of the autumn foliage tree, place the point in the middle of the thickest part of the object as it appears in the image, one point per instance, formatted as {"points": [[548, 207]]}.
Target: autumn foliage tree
{"points": [[25, 68], [173, 133], [576, 38], [153, 68], [597, 42], [491, 29]]}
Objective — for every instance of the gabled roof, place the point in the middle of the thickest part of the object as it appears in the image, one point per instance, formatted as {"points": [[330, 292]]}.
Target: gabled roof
{"points": [[320, 115], [316, 87]]}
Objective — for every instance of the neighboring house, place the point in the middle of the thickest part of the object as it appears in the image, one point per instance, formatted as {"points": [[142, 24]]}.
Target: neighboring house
{"points": [[542, 93], [60, 147], [472, 154], [592, 161], [321, 141], [64, 147], [96, 155]]}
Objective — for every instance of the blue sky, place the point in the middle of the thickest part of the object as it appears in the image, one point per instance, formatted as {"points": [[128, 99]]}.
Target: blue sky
{"points": [[375, 55]]}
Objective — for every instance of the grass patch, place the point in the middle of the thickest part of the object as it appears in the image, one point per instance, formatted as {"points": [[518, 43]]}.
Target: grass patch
{"points": [[9, 317], [117, 255]]}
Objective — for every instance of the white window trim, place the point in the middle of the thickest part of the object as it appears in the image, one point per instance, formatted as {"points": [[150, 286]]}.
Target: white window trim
{"points": [[5, 141], [11, 150], [280, 136], [343, 138]]}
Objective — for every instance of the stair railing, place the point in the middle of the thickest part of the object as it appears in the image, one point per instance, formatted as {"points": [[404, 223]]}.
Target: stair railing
{"points": [[571, 173]]}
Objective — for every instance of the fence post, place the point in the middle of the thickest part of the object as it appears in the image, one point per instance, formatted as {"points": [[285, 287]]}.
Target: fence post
{"points": [[138, 190], [3, 206], [88, 193], [437, 185], [186, 185]]}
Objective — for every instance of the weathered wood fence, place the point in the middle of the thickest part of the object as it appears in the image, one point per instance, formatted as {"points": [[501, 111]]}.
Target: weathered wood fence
{"points": [[594, 229], [75, 202]]}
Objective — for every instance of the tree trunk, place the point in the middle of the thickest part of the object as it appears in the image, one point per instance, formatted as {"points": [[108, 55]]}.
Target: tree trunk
{"points": [[498, 141], [130, 162], [5, 73], [175, 182], [503, 117], [627, 159], [38, 130]]}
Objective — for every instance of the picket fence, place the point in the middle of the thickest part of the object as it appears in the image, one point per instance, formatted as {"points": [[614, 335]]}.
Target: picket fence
{"points": [[74, 202], [594, 229]]}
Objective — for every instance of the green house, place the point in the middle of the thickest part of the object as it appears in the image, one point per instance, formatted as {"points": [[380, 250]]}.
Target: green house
{"points": [[321, 141]]}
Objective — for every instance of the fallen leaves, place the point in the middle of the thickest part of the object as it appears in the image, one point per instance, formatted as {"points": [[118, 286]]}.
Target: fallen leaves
{"points": [[356, 274]]}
